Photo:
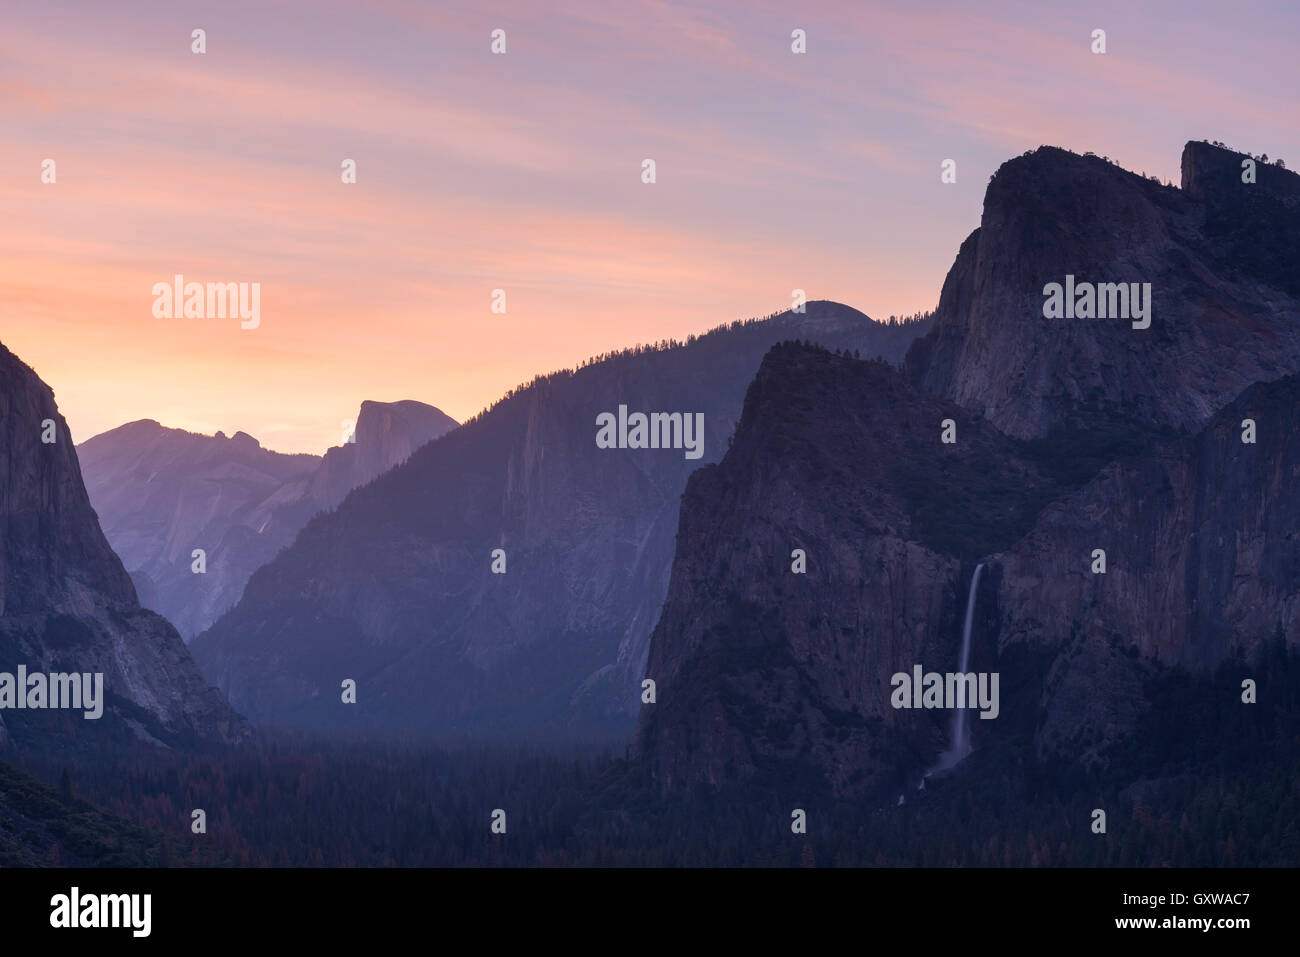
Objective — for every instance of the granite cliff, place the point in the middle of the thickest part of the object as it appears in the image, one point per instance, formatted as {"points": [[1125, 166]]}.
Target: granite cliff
{"points": [[1071, 435], [68, 605]]}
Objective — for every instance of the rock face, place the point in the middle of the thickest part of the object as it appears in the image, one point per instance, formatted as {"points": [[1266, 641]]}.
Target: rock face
{"points": [[1202, 561], [67, 604], [395, 588], [161, 493], [1072, 435], [760, 670], [1219, 256], [386, 435]]}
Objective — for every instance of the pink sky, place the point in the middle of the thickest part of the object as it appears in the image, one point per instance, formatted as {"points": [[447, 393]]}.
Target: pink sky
{"points": [[522, 172]]}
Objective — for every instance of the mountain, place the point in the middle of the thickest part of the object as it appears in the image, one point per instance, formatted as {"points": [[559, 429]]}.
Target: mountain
{"points": [[386, 434], [162, 493], [67, 604], [760, 670], [1071, 435], [395, 588], [1219, 255]]}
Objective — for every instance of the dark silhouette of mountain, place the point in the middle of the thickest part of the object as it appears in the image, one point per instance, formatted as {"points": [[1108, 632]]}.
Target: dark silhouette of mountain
{"points": [[1071, 435], [67, 604], [161, 493], [395, 588]]}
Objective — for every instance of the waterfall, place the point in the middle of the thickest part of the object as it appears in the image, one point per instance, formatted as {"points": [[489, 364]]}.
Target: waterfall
{"points": [[960, 745], [961, 724]]}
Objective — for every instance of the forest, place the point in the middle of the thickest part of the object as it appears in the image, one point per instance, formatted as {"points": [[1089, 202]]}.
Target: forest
{"points": [[1207, 781]]}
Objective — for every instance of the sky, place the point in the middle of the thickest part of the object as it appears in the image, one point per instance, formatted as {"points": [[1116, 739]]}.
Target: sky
{"points": [[522, 171]]}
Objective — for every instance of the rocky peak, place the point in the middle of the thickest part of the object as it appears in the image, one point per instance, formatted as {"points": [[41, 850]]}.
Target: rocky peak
{"points": [[1222, 308], [386, 434]]}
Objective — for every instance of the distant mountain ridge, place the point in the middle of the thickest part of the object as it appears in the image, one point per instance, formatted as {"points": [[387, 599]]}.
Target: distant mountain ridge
{"points": [[161, 493], [395, 589]]}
